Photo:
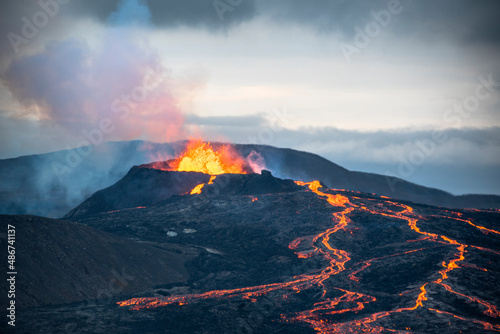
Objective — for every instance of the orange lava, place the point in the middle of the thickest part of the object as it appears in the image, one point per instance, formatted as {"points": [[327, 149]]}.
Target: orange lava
{"points": [[486, 325], [137, 207], [319, 316], [335, 200], [197, 189], [199, 156]]}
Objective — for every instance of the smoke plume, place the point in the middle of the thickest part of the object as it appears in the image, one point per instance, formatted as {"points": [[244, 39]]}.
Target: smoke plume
{"points": [[120, 81]]}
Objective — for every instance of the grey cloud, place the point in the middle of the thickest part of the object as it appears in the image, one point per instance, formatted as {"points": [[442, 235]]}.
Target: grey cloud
{"points": [[325, 15], [167, 13], [383, 138], [460, 20], [13, 17], [171, 13], [56, 79]]}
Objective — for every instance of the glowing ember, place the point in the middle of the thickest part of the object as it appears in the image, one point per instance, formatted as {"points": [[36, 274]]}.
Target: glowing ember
{"points": [[201, 157]]}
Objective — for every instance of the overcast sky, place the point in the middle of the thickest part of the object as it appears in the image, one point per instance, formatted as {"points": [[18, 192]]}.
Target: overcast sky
{"points": [[405, 88]]}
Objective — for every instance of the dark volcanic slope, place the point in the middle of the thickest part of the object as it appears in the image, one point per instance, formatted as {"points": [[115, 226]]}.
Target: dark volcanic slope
{"points": [[61, 262], [51, 184], [144, 186], [140, 187], [288, 260]]}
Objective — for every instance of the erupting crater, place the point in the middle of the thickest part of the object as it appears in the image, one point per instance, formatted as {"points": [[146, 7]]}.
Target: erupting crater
{"points": [[202, 157]]}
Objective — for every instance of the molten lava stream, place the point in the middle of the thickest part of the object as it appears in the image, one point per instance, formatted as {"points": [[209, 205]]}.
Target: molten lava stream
{"points": [[336, 259], [319, 246], [197, 189], [491, 310]]}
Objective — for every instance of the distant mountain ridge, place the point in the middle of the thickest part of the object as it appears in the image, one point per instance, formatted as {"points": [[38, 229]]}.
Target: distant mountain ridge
{"points": [[54, 183], [297, 165]]}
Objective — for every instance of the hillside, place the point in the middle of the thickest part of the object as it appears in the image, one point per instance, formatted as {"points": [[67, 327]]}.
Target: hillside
{"points": [[61, 262], [47, 185]]}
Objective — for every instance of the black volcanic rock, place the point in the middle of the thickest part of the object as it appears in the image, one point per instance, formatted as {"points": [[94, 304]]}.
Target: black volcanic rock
{"points": [[247, 240], [249, 184], [145, 186], [141, 186], [62, 262]]}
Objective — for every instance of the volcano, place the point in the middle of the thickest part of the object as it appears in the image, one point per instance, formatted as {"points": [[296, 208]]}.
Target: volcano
{"points": [[249, 252], [48, 185]]}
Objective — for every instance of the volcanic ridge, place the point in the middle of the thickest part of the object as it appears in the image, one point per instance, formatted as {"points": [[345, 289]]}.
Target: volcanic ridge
{"points": [[247, 252]]}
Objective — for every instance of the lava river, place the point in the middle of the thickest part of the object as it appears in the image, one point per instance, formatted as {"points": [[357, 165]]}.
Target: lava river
{"points": [[321, 317]]}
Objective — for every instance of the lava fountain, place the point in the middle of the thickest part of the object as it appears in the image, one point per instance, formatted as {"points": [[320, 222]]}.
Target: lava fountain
{"points": [[202, 157]]}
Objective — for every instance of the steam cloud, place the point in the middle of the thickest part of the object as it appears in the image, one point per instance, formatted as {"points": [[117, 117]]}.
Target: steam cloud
{"points": [[77, 86], [122, 80]]}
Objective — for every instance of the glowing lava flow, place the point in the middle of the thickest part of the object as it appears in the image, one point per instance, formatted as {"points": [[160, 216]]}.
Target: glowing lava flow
{"points": [[201, 157], [197, 189], [336, 258], [320, 315]]}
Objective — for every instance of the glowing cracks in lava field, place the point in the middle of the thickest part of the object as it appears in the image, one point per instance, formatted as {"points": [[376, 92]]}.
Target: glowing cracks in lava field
{"points": [[201, 157], [319, 316]]}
